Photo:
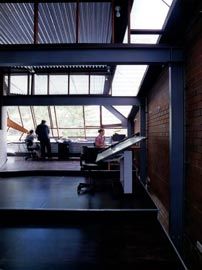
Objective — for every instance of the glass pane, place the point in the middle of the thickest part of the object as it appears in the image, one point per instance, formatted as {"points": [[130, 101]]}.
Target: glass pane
{"points": [[127, 80], [110, 131], [41, 84], [58, 84], [125, 110], [18, 84], [148, 14], [92, 116], [67, 133], [108, 118], [57, 22], [13, 114], [97, 84], [70, 116], [144, 39], [26, 117], [55, 133], [79, 84], [91, 132], [41, 113], [13, 135]]}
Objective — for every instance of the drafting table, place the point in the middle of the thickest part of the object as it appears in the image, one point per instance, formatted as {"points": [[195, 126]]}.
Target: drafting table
{"points": [[126, 163]]}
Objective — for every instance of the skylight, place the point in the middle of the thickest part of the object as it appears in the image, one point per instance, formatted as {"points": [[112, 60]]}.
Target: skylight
{"points": [[145, 15], [149, 14], [127, 80]]}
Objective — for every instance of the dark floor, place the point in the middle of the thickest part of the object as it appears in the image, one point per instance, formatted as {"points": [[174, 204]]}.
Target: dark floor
{"points": [[18, 163], [46, 224], [60, 192]]}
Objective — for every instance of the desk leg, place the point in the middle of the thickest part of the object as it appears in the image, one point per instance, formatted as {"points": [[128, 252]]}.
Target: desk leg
{"points": [[126, 172]]}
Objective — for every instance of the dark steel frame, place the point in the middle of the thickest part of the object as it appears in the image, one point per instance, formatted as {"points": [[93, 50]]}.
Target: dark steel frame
{"points": [[86, 54], [177, 153], [110, 54]]}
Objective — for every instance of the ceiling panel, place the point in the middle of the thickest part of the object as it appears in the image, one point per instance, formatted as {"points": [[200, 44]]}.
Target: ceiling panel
{"points": [[95, 24], [16, 23], [57, 22]]}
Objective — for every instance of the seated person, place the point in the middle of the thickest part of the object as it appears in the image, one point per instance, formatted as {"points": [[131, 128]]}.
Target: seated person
{"points": [[100, 139], [31, 145], [30, 138]]}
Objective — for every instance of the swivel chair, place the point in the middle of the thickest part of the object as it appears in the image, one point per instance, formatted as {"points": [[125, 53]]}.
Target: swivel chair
{"points": [[88, 163], [31, 150]]}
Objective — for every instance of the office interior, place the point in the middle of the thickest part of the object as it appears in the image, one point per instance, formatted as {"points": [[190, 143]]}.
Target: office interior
{"points": [[132, 67]]}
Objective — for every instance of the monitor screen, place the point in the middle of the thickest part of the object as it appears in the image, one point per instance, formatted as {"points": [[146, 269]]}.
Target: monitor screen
{"points": [[118, 147]]}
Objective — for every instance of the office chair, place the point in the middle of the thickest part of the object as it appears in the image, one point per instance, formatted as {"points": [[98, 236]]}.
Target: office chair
{"points": [[31, 150], [87, 162]]}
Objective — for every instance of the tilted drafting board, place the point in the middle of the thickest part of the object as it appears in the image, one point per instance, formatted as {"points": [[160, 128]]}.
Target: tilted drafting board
{"points": [[119, 147]]}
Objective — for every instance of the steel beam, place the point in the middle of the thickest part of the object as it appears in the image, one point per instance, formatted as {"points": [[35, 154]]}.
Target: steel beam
{"points": [[133, 113], [146, 32], [44, 100], [177, 181], [86, 54]]}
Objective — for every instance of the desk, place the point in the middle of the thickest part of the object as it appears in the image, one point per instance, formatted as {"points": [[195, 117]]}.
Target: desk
{"points": [[125, 160], [63, 150]]}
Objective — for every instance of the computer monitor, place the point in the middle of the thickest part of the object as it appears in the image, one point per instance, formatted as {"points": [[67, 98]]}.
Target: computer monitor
{"points": [[118, 147]]}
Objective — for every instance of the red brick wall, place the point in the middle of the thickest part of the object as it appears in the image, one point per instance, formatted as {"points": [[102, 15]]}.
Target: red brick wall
{"points": [[158, 138], [194, 138]]}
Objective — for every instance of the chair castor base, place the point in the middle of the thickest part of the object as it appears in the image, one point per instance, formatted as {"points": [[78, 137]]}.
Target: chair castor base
{"points": [[84, 187]]}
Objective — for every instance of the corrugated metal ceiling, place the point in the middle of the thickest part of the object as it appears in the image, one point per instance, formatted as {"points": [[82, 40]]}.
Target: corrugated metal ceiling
{"points": [[56, 23]]}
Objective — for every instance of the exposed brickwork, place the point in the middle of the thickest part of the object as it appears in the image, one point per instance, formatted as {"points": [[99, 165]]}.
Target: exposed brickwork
{"points": [[158, 145], [194, 139], [158, 140]]}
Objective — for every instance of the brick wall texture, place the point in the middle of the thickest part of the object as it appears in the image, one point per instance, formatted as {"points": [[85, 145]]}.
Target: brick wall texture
{"points": [[193, 72], [158, 140]]}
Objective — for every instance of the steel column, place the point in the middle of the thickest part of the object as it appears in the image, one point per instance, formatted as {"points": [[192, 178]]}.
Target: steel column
{"points": [[1, 95], [176, 92]]}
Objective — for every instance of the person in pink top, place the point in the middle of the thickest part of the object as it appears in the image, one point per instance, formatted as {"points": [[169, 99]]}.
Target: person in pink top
{"points": [[100, 139]]}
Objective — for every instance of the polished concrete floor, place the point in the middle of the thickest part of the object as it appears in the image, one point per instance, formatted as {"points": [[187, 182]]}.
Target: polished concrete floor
{"points": [[15, 163], [45, 224]]}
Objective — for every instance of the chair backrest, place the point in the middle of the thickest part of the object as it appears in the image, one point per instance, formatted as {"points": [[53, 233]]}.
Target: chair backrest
{"points": [[29, 144], [90, 154]]}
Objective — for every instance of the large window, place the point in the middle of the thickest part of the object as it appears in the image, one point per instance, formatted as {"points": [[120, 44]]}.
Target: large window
{"points": [[64, 121]]}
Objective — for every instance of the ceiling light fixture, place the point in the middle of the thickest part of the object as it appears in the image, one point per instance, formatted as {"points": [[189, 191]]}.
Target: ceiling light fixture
{"points": [[118, 9]]}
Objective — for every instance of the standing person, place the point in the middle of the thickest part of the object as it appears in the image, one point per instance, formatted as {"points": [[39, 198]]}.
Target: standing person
{"points": [[100, 139], [42, 132]]}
